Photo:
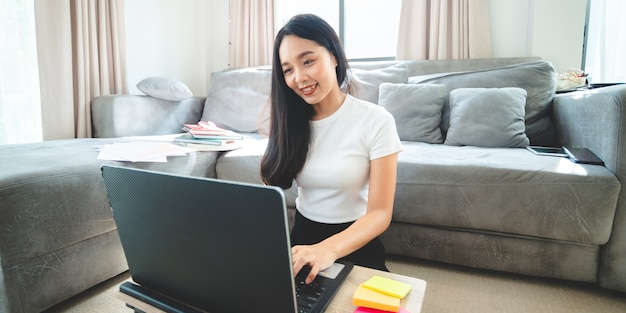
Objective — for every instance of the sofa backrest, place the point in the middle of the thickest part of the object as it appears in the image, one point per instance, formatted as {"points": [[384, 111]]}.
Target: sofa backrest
{"points": [[427, 67], [124, 115], [238, 98], [537, 78]]}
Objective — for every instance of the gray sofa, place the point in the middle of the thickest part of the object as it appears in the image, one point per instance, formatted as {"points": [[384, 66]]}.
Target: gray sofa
{"points": [[487, 205]]}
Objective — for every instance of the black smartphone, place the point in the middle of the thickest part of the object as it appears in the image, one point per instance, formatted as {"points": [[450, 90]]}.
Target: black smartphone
{"points": [[582, 155]]}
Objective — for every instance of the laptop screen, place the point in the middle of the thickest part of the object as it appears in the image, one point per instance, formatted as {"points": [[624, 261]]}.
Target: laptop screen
{"points": [[216, 245]]}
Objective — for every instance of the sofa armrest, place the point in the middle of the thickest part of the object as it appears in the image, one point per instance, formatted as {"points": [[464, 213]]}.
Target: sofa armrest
{"points": [[138, 115], [596, 119]]}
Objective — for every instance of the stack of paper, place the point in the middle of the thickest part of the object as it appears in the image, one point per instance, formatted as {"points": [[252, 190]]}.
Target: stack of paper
{"points": [[141, 151], [380, 294]]}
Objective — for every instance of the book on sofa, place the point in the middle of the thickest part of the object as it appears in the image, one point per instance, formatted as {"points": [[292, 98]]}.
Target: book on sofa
{"points": [[209, 131], [205, 128], [190, 139]]}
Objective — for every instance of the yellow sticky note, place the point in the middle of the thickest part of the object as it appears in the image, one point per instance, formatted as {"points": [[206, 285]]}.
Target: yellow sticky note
{"points": [[388, 286], [365, 297]]}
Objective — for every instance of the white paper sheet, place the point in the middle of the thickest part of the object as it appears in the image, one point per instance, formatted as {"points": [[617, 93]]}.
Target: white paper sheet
{"points": [[141, 151]]}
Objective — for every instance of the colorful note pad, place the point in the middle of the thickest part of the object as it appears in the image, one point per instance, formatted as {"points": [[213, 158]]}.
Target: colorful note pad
{"points": [[370, 310], [388, 286], [365, 297]]}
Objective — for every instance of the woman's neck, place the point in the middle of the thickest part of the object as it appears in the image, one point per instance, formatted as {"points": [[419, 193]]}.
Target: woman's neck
{"points": [[329, 105]]}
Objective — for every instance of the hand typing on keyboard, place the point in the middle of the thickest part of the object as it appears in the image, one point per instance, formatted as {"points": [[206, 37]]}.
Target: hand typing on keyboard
{"points": [[315, 257], [307, 294]]}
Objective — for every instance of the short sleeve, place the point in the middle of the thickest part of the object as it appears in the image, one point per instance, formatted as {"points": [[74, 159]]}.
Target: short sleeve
{"points": [[385, 139]]}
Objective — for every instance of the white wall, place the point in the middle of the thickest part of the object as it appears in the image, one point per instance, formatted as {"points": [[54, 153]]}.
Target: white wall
{"points": [[509, 28], [218, 40], [550, 29], [181, 39], [188, 39], [558, 31]]}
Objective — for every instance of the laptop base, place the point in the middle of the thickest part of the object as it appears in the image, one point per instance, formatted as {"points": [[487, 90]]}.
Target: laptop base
{"points": [[155, 299]]}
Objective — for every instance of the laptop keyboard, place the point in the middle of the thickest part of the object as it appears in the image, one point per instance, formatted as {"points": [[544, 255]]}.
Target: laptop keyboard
{"points": [[311, 298], [308, 295], [316, 296]]}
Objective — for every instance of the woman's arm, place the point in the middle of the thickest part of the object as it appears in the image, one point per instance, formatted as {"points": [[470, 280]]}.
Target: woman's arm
{"points": [[382, 188]]}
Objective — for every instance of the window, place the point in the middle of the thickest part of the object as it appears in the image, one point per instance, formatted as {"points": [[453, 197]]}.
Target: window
{"points": [[604, 48], [20, 110], [368, 29]]}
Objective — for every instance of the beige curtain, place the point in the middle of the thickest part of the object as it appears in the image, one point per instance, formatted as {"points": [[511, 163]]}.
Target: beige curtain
{"points": [[54, 55], [81, 53], [251, 32], [99, 55], [444, 29]]}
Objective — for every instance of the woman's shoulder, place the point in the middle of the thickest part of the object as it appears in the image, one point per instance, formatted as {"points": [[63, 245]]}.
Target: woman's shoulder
{"points": [[359, 101], [367, 107]]}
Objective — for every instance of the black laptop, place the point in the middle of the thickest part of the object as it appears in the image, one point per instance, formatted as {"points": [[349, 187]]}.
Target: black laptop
{"points": [[206, 245]]}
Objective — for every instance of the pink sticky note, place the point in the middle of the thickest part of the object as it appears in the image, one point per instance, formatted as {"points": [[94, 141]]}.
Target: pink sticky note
{"points": [[369, 310]]}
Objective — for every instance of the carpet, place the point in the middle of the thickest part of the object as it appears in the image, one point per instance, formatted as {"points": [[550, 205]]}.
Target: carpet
{"points": [[450, 289]]}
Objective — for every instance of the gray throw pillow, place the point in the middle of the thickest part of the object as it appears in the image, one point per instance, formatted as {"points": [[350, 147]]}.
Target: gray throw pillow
{"points": [[416, 109], [238, 99], [487, 117], [538, 78], [366, 82], [164, 88]]}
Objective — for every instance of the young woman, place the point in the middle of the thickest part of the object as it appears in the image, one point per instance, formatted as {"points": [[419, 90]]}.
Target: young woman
{"points": [[341, 151]]}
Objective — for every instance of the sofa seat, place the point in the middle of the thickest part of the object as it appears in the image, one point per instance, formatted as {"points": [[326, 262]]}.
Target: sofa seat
{"points": [[450, 200], [502, 209], [56, 223], [508, 190]]}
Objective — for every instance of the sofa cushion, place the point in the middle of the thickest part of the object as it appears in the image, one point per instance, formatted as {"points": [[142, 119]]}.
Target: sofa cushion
{"points": [[487, 117], [367, 82], [238, 99], [416, 109], [164, 88], [538, 78], [507, 190]]}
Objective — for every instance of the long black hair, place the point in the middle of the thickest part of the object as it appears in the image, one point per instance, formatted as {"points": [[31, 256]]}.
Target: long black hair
{"points": [[290, 115]]}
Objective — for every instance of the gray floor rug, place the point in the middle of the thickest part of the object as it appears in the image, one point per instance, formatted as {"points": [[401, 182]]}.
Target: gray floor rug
{"points": [[450, 289]]}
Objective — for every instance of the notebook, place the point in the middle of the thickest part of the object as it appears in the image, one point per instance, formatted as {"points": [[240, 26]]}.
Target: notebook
{"points": [[205, 245]]}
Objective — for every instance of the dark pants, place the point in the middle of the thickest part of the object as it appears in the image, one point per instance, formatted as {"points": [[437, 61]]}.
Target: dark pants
{"points": [[307, 232]]}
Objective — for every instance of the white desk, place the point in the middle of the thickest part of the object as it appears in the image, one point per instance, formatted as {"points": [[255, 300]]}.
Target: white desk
{"points": [[342, 302]]}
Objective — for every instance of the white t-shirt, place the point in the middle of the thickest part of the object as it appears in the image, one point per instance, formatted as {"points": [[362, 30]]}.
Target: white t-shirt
{"points": [[333, 184]]}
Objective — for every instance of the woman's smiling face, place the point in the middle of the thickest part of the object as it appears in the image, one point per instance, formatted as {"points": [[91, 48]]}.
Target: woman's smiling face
{"points": [[309, 69]]}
